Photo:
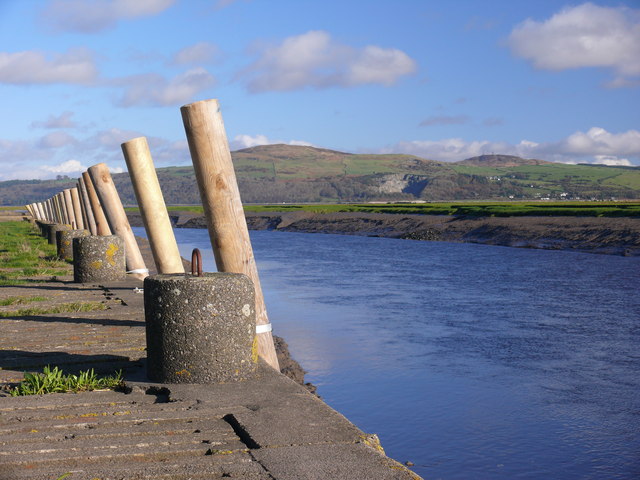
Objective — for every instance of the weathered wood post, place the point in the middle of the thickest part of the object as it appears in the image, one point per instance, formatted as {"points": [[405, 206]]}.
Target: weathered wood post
{"points": [[77, 211], [152, 207], [102, 226], [117, 218], [68, 205], [48, 211], [61, 210], [86, 207], [223, 208]]}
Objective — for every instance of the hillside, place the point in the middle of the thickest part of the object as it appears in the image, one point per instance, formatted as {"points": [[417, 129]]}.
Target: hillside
{"points": [[296, 174]]}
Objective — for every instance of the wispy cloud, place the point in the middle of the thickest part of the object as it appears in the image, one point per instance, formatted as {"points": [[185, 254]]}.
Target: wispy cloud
{"points": [[154, 90], [57, 139], [201, 53], [77, 66], [61, 121], [594, 146], [98, 15], [314, 59], [586, 35], [444, 120]]}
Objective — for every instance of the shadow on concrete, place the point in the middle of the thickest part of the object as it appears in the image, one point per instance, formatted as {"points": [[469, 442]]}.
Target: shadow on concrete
{"points": [[105, 322], [21, 360]]}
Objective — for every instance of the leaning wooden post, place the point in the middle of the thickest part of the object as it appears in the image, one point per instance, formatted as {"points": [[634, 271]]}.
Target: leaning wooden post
{"points": [[152, 207], [86, 207], [223, 208], [68, 205], [77, 211], [83, 211], [102, 226], [117, 218], [62, 209]]}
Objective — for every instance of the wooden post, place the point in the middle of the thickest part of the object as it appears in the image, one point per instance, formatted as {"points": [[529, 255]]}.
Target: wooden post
{"points": [[152, 207], [117, 218], [50, 209], [62, 209], [68, 205], [40, 211], [223, 208], [102, 226], [86, 207], [77, 211], [83, 211]]}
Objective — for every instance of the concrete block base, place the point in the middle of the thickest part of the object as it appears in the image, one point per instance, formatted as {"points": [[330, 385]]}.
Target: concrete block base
{"points": [[98, 259], [200, 329]]}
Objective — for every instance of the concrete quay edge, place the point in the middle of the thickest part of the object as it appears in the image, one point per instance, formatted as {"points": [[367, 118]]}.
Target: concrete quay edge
{"points": [[267, 427]]}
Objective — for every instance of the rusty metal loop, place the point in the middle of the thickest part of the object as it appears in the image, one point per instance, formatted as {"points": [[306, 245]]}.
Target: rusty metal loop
{"points": [[196, 262]]}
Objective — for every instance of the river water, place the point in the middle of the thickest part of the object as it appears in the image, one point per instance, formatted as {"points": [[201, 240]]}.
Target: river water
{"points": [[470, 361]]}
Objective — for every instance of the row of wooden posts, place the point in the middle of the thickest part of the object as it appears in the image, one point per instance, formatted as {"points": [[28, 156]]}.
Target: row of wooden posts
{"points": [[94, 205]]}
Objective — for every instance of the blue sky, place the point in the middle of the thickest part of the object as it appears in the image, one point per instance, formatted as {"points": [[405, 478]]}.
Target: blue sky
{"points": [[442, 80]]}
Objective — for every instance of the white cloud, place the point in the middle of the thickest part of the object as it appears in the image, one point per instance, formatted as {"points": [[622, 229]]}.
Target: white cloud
{"points": [[33, 67], [70, 166], [56, 139], [597, 141], [61, 121], [154, 90], [594, 146], [314, 59], [247, 141], [98, 15], [200, 53], [612, 160], [586, 35]]}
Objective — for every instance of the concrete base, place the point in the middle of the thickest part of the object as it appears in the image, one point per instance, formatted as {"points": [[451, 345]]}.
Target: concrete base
{"points": [[200, 329], [98, 259], [53, 228], [64, 240]]}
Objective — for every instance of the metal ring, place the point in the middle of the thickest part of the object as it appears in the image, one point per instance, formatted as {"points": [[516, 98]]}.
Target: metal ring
{"points": [[196, 262]]}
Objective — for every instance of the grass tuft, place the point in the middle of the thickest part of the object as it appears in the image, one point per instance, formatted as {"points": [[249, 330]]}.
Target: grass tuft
{"points": [[53, 380]]}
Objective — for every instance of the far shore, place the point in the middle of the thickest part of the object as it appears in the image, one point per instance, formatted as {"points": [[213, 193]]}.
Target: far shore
{"points": [[604, 235]]}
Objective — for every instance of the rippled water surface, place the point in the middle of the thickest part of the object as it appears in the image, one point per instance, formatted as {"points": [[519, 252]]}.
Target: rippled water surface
{"points": [[470, 361]]}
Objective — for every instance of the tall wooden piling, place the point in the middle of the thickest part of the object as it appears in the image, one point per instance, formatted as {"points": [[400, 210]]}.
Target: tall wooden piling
{"points": [[102, 226], [223, 208], [77, 211], [68, 205], [86, 207], [117, 218], [152, 207]]}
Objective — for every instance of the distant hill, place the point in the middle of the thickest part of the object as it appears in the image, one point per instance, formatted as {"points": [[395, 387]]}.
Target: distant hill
{"points": [[501, 161], [289, 173]]}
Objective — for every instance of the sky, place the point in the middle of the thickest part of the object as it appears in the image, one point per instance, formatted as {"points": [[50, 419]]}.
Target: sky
{"points": [[443, 80]]}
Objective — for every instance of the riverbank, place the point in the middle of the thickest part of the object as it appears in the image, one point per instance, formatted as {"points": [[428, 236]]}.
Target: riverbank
{"points": [[603, 235]]}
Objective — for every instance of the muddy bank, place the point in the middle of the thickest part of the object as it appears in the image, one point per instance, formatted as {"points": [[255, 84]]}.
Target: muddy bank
{"points": [[614, 236]]}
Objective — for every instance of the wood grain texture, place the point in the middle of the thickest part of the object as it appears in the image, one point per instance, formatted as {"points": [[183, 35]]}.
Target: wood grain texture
{"points": [[222, 205], [116, 216], [86, 207], [102, 226], [155, 217], [77, 210]]}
